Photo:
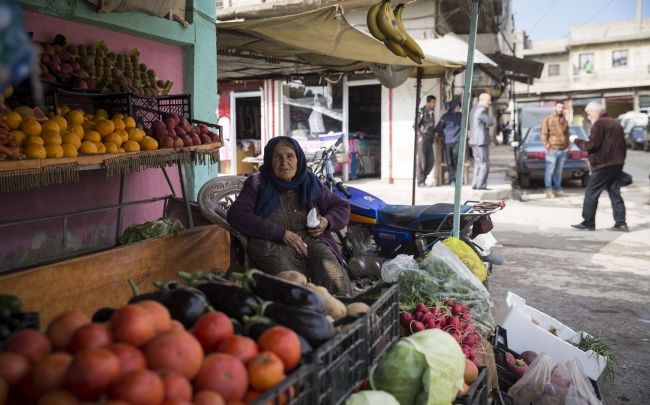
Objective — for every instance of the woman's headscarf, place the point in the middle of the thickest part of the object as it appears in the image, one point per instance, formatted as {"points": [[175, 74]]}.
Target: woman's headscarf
{"points": [[271, 187]]}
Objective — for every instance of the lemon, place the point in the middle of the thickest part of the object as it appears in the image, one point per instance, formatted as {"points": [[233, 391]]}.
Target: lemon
{"points": [[123, 135], [13, 120], [50, 136], [35, 151], [114, 138], [131, 146], [135, 134], [128, 122], [101, 113], [36, 140], [92, 136], [148, 143], [87, 147], [53, 150], [77, 130], [105, 127], [63, 124], [63, 110], [20, 137], [69, 150], [120, 150], [50, 125], [111, 147], [71, 139], [74, 118], [24, 111], [101, 148], [30, 126]]}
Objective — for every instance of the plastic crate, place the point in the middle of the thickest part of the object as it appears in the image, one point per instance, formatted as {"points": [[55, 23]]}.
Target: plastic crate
{"points": [[28, 320], [382, 320], [506, 378], [478, 392], [297, 386], [113, 103], [145, 110]]}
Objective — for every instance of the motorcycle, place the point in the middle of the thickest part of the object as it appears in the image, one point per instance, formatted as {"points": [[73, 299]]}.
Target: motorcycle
{"points": [[378, 231]]}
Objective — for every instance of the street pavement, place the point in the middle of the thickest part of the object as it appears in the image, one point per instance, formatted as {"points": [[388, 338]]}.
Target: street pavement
{"points": [[597, 281]]}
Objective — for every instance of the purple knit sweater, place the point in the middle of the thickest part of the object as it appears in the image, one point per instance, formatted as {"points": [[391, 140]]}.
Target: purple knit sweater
{"points": [[241, 214]]}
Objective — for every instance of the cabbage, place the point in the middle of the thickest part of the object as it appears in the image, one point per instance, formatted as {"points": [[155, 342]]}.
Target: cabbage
{"points": [[425, 368], [371, 398]]}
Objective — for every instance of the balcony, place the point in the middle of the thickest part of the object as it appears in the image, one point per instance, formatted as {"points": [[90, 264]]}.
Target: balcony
{"points": [[613, 77]]}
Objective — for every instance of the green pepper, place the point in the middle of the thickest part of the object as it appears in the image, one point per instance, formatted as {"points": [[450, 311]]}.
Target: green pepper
{"points": [[4, 332], [13, 303]]}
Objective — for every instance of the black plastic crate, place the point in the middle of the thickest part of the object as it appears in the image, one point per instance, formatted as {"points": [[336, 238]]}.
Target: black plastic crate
{"points": [[28, 320], [25, 97], [382, 320], [296, 389], [149, 109], [113, 103], [478, 392]]}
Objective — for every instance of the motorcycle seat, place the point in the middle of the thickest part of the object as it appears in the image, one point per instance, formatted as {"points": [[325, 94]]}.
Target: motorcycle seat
{"points": [[416, 216]]}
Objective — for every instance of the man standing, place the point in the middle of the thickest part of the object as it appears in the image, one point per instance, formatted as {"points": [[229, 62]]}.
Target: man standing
{"points": [[555, 138], [449, 128], [426, 126], [479, 139], [607, 151]]}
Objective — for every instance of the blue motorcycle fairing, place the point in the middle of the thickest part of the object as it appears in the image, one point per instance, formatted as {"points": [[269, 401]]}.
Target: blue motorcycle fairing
{"points": [[362, 203], [416, 217], [388, 237]]}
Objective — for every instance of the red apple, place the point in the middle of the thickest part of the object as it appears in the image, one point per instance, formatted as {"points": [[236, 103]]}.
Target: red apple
{"points": [[45, 58], [54, 58], [81, 73], [182, 120], [178, 142], [54, 66], [179, 131], [195, 139], [66, 68], [44, 68], [203, 128], [187, 141], [63, 56], [148, 131], [159, 133], [81, 85], [173, 116], [90, 83], [166, 142], [157, 124], [170, 123], [75, 65], [214, 137]]}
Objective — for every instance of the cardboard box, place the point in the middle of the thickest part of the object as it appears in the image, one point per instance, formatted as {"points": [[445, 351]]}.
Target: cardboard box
{"points": [[530, 329]]}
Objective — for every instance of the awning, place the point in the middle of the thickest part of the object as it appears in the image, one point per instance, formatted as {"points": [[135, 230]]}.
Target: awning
{"points": [[525, 70], [311, 42]]}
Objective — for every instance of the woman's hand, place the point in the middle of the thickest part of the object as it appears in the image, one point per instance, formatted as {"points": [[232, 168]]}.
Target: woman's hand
{"points": [[324, 223], [295, 242]]}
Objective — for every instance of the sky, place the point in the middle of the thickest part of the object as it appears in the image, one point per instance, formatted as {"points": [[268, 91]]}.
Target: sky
{"points": [[548, 19]]}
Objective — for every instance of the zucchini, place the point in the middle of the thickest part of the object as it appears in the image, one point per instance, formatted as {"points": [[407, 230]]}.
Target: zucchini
{"points": [[229, 298], [275, 289], [11, 302], [314, 327]]}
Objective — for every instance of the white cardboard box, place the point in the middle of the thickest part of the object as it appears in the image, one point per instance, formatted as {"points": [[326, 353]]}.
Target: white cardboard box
{"points": [[530, 329]]}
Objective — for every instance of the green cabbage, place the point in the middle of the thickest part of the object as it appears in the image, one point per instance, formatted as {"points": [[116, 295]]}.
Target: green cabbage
{"points": [[425, 368], [371, 398]]}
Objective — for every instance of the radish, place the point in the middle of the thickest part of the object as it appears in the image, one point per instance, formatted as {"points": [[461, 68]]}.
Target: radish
{"points": [[406, 319], [442, 322], [477, 362], [453, 322], [455, 309], [470, 340], [456, 336], [518, 368], [417, 327], [421, 307], [528, 356], [430, 323], [472, 353], [435, 311], [463, 307], [465, 316], [466, 352], [468, 328], [448, 302]]}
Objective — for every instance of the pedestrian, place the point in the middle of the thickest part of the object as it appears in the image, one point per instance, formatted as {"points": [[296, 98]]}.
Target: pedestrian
{"points": [[607, 151], [449, 129], [479, 139], [426, 127], [555, 138]]}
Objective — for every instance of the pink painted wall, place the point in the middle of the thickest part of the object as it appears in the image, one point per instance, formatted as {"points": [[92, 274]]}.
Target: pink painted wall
{"points": [[39, 240]]}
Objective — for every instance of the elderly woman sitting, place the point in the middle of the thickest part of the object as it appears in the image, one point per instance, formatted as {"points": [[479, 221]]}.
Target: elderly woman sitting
{"points": [[272, 211]]}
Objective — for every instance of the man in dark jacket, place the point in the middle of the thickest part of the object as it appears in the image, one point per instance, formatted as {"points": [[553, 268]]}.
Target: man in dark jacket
{"points": [[607, 151], [426, 126], [449, 128]]}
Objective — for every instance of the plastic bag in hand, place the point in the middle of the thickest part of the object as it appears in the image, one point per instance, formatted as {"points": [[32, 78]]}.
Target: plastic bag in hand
{"points": [[312, 219], [536, 385], [581, 392]]}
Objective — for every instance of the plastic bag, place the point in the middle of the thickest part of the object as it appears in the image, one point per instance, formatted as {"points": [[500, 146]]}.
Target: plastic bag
{"points": [[312, 218], [535, 386], [391, 268], [467, 256], [149, 230], [581, 392]]}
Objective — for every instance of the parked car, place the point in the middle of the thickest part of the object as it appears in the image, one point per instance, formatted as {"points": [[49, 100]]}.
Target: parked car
{"points": [[646, 144], [636, 138], [530, 158]]}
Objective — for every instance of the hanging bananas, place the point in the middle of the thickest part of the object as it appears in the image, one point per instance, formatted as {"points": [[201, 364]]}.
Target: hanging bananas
{"points": [[387, 24], [398, 50], [371, 21], [412, 48]]}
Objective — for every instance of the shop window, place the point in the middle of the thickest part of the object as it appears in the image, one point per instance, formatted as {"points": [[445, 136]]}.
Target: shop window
{"points": [[587, 62], [311, 111], [553, 70], [619, 58]]}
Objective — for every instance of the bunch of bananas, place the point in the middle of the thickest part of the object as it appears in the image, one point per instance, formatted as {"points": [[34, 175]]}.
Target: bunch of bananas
{"points": [[386, 25]]}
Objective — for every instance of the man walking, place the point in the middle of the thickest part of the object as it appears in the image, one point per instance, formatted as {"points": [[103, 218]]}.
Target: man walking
{"points": [[607, 151], [449, 128], [555, 138], [479, 139], [426, 126]]}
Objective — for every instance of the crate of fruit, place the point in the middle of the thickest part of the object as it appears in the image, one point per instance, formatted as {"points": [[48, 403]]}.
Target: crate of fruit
{"points": [[478, 391], [296, 389]]}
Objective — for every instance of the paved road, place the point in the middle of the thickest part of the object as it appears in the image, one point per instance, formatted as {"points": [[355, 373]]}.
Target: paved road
{"points": [[598, 282]]}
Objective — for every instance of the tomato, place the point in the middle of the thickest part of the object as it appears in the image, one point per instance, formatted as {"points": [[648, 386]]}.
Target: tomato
{"points": [[63, 327], [235, 403], [251, 396], [130, 357], [46, 375], [284, 343], [91, 372], [176, 351], [211, 329], [93, 335], [207, 397], [4, 391], [58, 397], [162, 320], [287, 395], [244, 348], [265, 371], [176, 386], [13, 367], [30, 343], [175, 325], [176, 401], [223, 374], [138, 387], [133, 324]]}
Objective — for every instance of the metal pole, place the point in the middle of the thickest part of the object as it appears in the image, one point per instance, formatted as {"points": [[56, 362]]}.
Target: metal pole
{"points": [[418, 88], [463, 126], [120, 211]]}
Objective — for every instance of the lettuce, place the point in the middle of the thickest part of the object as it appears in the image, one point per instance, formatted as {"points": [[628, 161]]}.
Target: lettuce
{"points": [[425, 368], [371, 398]]}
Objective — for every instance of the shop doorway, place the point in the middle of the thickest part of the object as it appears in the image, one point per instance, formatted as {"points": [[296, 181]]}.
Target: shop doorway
{"points": [[364, 130], [616, 106], [246, 130]]}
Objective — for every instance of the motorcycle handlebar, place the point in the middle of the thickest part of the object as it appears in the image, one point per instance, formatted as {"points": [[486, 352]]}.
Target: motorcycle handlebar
{"points": [[343, 190]]}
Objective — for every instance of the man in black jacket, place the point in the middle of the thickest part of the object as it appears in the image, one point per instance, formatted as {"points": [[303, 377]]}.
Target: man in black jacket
{"points": [[426, 127]]}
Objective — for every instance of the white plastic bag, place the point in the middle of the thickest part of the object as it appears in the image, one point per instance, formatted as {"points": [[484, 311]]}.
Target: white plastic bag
{"points": [[536, 385], [581, 392], [312, 219], [391, 268]]}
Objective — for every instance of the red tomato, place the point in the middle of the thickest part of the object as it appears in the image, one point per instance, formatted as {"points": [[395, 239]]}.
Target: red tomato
{"points": [[130, 357], [63, 327], [138, 387], [175, 350], [91, 372], [133, 324], [176, 386], [30, 343], [284, 343], [211, 329], [244, 348], [46, 375], [93, 335], [223, 374]]}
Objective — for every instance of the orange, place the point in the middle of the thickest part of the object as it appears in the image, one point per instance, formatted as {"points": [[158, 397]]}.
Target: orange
{"points": [[34, 140], [50, 136], [88, 116], [35, 151], [105, 127], [114, 138], [13, 120], [97, 118], [50, 125], [101, 148], [129, 122], [88, 125], [50, 108], [63, 110], [20, 137], [24, 111], [101, 113], [77, 130], [63, 124], [31, 127], [120, 150], [72, 139], [135, 134], [87, 147], [118, 116], [110, 147], [74, 118], [119, 124], [92, 136], [148, 143], [131, 146], [122, 134], [53, 150], [69, 150]]}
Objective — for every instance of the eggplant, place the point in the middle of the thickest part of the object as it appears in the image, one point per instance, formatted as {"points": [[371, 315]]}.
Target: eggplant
{"points": [[314, 327], [256, 325], [103, 314], [239, 328], [229, 298], [275, 289]]}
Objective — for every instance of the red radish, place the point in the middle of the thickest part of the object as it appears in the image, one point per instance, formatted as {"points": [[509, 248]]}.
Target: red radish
{"points": [[455, 310], [463, 307], [453, 323], [421, 307], [468, 328], [518, 368], [435, 311], [442, 322], [417, 327], [477, 362], [448, 302], [472, 353], [406, 319], [456, 336], [430, 323], [465, 316], [470, 340], [528, 356], [465, 352]]}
